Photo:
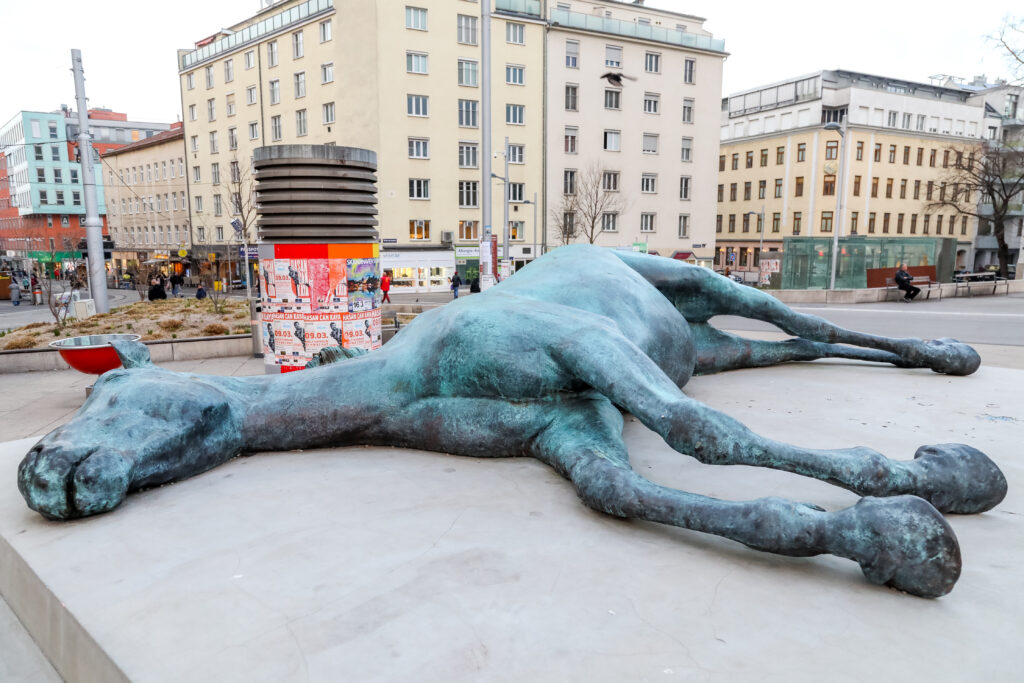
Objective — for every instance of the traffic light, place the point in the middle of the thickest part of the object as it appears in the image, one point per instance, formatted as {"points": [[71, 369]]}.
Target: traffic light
{"points": [[108, 246]]}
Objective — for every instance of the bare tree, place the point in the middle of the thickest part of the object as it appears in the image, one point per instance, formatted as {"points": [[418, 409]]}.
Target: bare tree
{"points": [[584, 204], [1011, 39], [991, 173]]}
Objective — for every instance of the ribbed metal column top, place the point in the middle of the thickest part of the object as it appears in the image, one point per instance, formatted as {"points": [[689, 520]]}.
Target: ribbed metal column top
{"points": [[316, 193]]}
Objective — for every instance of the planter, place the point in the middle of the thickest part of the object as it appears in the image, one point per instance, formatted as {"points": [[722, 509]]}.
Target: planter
{"points": [[92, 354]]}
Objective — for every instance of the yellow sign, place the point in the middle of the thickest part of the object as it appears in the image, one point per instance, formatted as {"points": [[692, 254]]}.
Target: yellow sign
{"points": [[182, 253], [216, 285], [211, 256]]}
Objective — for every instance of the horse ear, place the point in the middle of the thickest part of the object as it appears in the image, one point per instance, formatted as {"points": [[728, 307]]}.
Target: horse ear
{"points": [[132, 354]]}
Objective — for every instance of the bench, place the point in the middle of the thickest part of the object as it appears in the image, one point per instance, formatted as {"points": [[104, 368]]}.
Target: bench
{"points": [[967, 281], [926, 284]]}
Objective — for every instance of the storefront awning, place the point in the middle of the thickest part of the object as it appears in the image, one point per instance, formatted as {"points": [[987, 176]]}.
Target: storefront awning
{"points": [[683, 255]]}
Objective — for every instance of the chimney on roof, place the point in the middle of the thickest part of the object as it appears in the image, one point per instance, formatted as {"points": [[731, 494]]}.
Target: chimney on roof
{"points": [[979, 80]]}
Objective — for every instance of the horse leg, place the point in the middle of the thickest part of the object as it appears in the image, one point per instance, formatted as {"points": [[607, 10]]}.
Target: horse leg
{"points": [[902, 542], [718, 351], [953, 477]]}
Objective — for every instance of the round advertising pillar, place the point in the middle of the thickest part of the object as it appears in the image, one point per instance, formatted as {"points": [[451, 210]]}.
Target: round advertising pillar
{"points": [[319, 258]]}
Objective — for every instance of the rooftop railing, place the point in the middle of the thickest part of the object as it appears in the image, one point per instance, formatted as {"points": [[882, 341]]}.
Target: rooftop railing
{"points": [[531, 7], [271, 24], [588, 22]]}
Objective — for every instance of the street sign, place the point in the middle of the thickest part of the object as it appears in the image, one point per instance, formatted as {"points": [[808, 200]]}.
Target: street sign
{"points": [[211, 257], [253, 252], [389, 240], [182, 253], [698, 246]]}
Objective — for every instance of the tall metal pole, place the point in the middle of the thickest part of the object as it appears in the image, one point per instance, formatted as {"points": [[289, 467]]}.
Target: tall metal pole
{"points": [[93, 223], [839, 205], [486, 266], [534, 252], [504, 249]]}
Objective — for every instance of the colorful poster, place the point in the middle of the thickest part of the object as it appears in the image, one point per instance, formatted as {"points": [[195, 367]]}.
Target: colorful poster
{"points": [[362, 330], [322, 329], [363, 284], [267, 285]]}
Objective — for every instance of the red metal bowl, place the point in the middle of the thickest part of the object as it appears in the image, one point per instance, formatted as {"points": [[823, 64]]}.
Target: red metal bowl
{"points": [[92, 354]]}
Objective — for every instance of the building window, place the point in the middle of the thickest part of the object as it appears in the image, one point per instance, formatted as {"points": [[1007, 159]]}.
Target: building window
{"points": [[229, 70], [917, 189], [232, 144], [515, 74], [297, 47], [275, 91], [516, 154], [230, 104], [885, 223], [649, 183], [721, 192], [647, 222], [571, 97], [469, 231], [250, 95], [798, 218], [612, 56], [611, 140], [275, 128], [651, 102], [610, 222], [468, 113], [299, 82], [732, 192], [650, 143], [689, 70], [718, 223], [721, 162], [416, 105], [300, 123], [878, 152], [899, 224], [515, 114], [892, 154], [254, 130], [913, 224], [652, 63], [684, 226], [688, 111], [762, 188], [213, 142], [612, 99], [468, 153], [190, 81], [328, 110], [327, 72], [419, 188], [799, 189], [750, 159], [466, 32], [572, 54], [416, 62], [516, 192], [516, 231], [780, 155], [419, 229], [776, 222], [801, 151], [832, 149], [218, 205], [874, 187], [888, 188], [828, 187], [419, 148], [826, 221], [778, 188], [903, 188], [571, 133], [732, 222], [468, 73], [211, 109], [214, 175], [325, 31], [686, 153], [197, 204], [416, 18], [272, 53], [746, 191], [610, 181], [468, 194], [569, 181], [735, 161], [209, 77], [515, 33], [684, 187], [192, 112], [931, 158]]}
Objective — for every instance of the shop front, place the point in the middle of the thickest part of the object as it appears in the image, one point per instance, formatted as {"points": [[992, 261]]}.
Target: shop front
{"points": [[418, 270]]}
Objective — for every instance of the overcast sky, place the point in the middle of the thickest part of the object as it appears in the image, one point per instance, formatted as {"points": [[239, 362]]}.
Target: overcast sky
{"points": [[128, 48]]}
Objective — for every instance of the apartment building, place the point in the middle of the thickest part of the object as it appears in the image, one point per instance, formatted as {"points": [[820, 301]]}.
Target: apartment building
{"points": [[631, 156], [779, 167], [404, 79], [42, 215], [147, 201]]}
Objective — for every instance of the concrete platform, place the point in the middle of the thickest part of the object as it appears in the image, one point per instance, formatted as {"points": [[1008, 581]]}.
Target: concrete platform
{"points": [[372, 564]]}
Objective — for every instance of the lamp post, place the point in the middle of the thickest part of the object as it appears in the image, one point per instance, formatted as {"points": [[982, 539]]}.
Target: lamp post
{"points": [[840, 192], [534, 202], [760, 250]]}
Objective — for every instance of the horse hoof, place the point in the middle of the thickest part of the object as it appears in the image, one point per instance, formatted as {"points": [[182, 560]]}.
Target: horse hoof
{"points": [[950, 357], [957, 478], [63, 482], [905, 543]]}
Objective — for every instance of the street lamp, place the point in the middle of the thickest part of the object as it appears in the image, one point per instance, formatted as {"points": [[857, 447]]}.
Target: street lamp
{"points": [[534, 202], [760, 250], [840, 192]]}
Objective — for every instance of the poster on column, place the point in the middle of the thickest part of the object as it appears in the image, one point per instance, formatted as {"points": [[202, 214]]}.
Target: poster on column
{"points": [[289, 338], [362, 330], [267, 284], [267, 321], [322, 330], [363, 284]]}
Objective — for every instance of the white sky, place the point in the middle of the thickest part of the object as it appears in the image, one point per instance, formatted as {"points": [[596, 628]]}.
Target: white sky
{"points": [[128, 48]]}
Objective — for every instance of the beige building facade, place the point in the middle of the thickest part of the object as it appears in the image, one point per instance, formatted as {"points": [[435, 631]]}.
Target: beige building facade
{"points": [[646, 140], [780, 169], [147, 202]]}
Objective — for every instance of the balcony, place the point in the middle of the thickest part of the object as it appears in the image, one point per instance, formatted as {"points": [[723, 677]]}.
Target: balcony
{"points": [[529, 7], [278, 22], [629, 29]]}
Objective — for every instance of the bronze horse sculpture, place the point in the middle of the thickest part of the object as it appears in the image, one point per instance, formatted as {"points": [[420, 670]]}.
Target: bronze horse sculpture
{"points": [[541, 365]]}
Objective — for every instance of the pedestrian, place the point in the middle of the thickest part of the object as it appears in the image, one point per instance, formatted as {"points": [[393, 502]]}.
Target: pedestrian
{"points": [[200, 292], [156, 289], [903, 280], [456, 283], [385, 287], [474, 285], [176, 282], [15, 291]]}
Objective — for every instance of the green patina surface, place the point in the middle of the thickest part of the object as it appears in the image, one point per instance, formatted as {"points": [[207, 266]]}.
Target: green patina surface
{"points": [[542, 365]]}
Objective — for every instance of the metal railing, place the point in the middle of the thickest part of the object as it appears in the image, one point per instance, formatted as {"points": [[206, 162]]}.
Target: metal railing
{"points": [[588, 22]]}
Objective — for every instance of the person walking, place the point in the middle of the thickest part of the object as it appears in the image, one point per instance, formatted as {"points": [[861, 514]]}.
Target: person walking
{"points": [[385, 287], [456, 283], [176, 282], [903, 280], [15, 291]]}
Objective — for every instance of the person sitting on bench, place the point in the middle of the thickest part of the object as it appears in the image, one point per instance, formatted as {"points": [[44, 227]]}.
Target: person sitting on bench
{"points": [[903, 280]]}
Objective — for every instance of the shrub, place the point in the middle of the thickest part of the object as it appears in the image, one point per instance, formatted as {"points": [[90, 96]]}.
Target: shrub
{"points": [[215, 329], [32, 326], [171, 324], [19, 343]]}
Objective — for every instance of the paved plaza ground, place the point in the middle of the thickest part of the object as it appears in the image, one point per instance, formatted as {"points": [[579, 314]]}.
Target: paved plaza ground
{"points": [[385, 564]]}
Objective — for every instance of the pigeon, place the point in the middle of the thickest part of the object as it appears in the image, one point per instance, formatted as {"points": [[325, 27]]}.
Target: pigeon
{"points": [[616, 78]]}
